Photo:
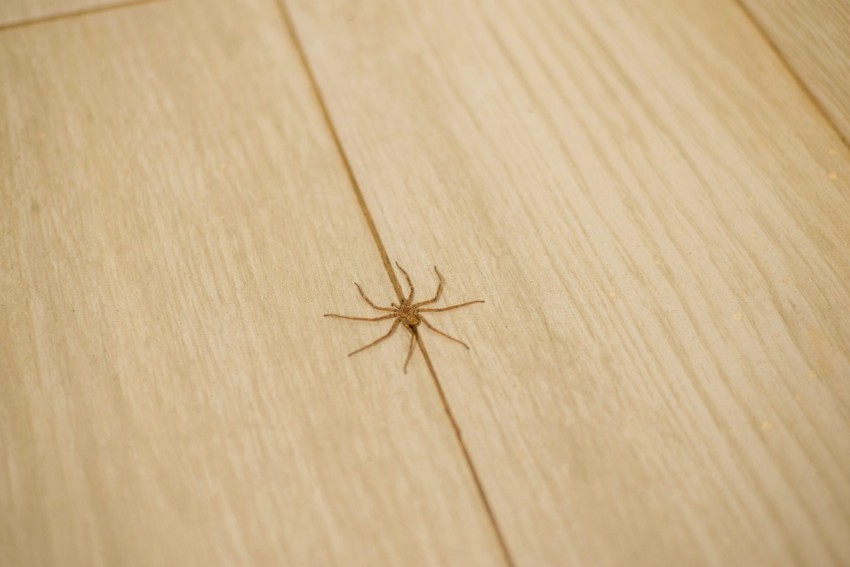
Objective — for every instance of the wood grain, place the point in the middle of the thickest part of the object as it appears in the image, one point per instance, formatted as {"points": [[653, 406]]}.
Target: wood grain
{"points": [[656, 215], [814, 38], [175, 221], [20, 12]]}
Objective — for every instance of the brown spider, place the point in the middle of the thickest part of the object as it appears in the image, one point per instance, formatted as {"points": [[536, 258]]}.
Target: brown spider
{"points": [[407, 314]]}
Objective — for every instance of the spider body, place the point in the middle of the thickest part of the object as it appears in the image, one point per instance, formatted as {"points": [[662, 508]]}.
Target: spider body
{"points": [[409, 318], [407, 314]]}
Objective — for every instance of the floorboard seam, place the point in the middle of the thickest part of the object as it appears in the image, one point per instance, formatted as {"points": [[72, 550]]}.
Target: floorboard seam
{"points": [[73, 14], [790, 68], [290, 28]]}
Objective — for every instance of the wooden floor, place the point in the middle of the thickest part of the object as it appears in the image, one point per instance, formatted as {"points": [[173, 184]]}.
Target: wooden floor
{"points": [[652, 197]]}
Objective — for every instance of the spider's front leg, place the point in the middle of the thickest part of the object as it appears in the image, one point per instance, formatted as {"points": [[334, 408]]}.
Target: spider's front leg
{"points": [[436, 295], [349, 317], [409, 283], [369, 301]]}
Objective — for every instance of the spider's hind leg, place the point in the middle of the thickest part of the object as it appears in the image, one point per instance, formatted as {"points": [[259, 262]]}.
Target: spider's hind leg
{"points": [[450, 307], [383, 338], [439, 332], [410, 350]]}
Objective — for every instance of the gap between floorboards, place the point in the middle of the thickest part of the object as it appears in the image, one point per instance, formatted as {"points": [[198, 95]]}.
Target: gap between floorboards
{"points": [[289, 26]]}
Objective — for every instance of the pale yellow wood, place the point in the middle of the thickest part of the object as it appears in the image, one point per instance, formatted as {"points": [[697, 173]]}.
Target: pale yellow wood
{"points": [[16, 12], [657, 217], [814, 38], [174, 221]]}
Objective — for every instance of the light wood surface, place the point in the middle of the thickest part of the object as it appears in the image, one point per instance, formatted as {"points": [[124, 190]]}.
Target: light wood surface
{"points": [[814, 38], [175, 221], [652, 206], [19, 12], [642, 194]]}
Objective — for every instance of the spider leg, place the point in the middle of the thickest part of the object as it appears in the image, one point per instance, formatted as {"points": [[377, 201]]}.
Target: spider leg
{"points": [[383, 338], [439, 290], [369, 301], [409, 282], [381, 318], [439, 332], [436, 309], [410, 350]]}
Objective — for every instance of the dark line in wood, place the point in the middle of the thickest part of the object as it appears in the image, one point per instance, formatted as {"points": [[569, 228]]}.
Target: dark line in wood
{"points": [[810, 94], [459, 436], [302, 55], [74, 14]]}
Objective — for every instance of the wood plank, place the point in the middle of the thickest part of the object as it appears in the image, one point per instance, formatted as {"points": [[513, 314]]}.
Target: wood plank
{"points": [[175, 221], [656, 215], [814, 38], [17, 12]]}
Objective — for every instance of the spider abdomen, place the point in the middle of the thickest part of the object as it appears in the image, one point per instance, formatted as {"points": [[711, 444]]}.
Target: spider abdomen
{"points": [[410, 319]]}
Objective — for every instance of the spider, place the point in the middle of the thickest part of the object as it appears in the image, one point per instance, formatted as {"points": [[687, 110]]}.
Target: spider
{"points": [[407, 314]]}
